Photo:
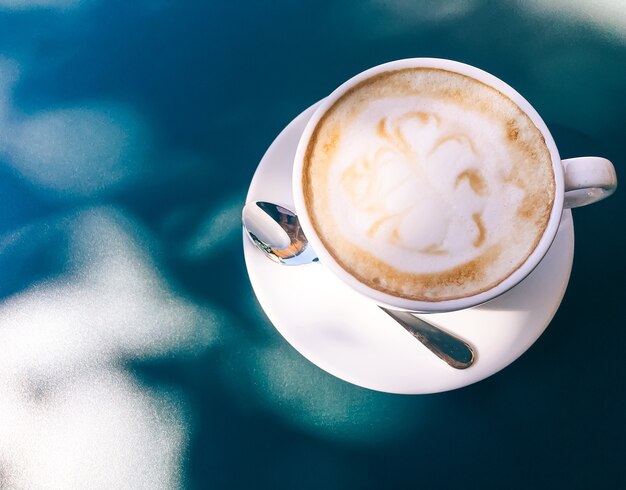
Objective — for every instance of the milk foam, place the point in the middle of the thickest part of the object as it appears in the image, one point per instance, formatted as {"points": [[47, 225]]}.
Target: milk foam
{"points": [[400, 192], [412, 187]]}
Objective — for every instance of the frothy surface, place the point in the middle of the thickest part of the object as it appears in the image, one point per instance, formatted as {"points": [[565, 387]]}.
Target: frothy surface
{"points": [[427, 184]]}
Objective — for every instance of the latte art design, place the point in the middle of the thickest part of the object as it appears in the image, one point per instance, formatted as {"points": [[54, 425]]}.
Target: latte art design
{"points": [[428, 185], [400, 153]]}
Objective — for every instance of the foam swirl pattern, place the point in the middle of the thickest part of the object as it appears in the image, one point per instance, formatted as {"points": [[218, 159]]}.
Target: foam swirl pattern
{"points": [[427, 184]]}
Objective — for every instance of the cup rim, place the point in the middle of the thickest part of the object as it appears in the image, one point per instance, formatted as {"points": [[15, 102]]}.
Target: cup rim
{"points": [[395, 302]]}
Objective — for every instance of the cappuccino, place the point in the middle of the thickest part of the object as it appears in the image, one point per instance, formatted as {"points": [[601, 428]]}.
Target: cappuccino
{"points": [[428, 185]]}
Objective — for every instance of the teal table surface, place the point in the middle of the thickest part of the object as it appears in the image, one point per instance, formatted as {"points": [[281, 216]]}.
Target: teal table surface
{"points": [[133, 352]]}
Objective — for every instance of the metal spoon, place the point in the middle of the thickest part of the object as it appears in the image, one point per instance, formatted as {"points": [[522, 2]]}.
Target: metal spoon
{"points": [[276, 231]]}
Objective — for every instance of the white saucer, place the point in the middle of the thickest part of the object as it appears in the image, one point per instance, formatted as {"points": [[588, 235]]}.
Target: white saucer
{"points": [[349, 337]]}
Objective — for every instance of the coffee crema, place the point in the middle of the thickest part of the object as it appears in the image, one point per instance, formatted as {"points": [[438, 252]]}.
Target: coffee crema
{"points": [[428, 185]]}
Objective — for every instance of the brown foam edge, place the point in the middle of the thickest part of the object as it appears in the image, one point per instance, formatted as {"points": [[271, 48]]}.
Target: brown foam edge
{"points": [[422, 281]]}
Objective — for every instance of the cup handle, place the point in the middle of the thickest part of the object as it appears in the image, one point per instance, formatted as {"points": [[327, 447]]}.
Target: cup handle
{"points": [[588, 180]]}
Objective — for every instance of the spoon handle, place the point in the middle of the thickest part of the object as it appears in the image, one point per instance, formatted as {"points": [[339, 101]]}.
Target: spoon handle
{"points": [[447, 347]]}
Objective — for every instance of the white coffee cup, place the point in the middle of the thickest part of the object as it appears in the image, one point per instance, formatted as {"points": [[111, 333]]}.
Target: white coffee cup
{"points": [[578, 181]]}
